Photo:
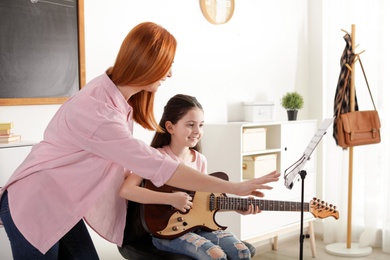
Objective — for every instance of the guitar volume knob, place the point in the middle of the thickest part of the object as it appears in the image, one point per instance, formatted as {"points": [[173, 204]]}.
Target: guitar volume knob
{"points": [[175, 228], [180, 219]]}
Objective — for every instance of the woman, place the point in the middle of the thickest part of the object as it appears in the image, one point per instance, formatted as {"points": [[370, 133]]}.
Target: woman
{"points": [[76, 172]]}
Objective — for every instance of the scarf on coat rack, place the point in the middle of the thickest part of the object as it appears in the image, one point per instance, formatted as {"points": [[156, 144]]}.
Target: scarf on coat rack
{"points": [[347, 57]]}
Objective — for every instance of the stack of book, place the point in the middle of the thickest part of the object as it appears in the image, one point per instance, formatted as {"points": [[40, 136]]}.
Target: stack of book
{"points": [[6, 135]]}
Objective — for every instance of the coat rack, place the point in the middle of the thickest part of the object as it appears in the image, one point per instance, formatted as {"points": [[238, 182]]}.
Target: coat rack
{"points": [[350, 249]]}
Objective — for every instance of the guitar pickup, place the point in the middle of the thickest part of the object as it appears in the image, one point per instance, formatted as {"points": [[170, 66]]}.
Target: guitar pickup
{"points": [[212, 202]]}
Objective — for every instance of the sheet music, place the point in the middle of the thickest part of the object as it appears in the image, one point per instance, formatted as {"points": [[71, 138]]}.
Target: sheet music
{"points": [[291, 173]]}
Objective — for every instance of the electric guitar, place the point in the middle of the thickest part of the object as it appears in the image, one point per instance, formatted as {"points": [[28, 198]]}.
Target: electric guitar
{"points": [[164, 221]]}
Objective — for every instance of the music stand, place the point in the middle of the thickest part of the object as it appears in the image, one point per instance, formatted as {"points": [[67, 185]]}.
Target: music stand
{"points": [[292, 173]]}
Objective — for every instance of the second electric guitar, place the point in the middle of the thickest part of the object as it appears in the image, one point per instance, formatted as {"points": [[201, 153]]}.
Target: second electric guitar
{"points": [[164, 221]]}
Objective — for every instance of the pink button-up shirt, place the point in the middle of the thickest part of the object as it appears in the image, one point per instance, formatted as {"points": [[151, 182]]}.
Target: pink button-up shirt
{"points": [[77, 170]]}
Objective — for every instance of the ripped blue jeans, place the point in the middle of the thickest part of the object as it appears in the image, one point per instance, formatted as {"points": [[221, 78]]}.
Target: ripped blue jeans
{"points": [[202, 244]]}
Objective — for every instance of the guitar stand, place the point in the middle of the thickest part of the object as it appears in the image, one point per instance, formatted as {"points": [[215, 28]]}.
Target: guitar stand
{"points": [[302, 173]]}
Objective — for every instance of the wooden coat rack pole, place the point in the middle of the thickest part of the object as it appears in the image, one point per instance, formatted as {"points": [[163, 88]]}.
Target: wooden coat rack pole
{"points": [[350, 165], [340, 249]]}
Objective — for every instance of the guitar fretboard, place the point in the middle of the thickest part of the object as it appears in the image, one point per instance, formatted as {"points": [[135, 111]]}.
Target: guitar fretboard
{"points": [[232, 203]]}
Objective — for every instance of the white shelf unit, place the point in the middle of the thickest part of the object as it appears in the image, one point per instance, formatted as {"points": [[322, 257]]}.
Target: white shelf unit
{"points": [[11, 156], [222, 146]]}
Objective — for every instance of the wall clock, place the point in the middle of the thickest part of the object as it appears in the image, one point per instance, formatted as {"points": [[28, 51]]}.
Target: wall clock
{"points": [[217, 11]]}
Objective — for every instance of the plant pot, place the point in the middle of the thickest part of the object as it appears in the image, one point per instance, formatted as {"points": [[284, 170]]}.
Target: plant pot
{"points": [[292, 115]]}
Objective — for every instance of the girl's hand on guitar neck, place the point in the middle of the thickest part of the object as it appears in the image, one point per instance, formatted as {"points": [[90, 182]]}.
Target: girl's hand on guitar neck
{"points": [[251, 210], [252, 187]]}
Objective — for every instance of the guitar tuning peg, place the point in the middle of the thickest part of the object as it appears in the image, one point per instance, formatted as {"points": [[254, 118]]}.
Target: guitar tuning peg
{"points": [[331, 205]]}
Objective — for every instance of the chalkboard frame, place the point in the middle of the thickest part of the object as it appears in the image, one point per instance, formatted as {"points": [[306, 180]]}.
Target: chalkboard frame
{"points": [[82, 77]]}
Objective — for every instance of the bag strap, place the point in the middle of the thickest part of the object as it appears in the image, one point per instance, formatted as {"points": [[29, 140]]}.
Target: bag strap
{"points": [[345, 86], [365, 77]]}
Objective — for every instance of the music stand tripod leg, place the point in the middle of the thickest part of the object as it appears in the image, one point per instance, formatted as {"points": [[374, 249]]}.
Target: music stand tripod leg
{"points": [[302, 173]]}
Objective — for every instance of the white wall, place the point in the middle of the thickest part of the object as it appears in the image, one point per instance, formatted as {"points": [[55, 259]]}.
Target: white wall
{"points": [[239, 61], [261, 53]]}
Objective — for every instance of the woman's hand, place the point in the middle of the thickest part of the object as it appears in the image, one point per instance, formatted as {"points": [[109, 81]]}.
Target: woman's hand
{"points": [[181, 201], [251, 187], [188, 178]]}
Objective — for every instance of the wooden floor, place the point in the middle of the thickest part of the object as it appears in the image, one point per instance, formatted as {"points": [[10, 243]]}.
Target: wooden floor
{"points": [[290, 249]]}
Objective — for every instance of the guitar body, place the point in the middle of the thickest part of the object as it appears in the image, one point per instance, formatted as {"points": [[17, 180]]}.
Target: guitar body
{"points": [[164, 221]]}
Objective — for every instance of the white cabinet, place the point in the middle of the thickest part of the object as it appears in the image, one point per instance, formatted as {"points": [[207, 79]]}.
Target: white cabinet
{"points": [[11, 156], [222, 146]]}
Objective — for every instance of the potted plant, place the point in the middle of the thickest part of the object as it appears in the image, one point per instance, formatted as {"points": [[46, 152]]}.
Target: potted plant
{"points": [[292, 102]]}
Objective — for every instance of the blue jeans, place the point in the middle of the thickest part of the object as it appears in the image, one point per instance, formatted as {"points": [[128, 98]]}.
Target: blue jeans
{"points": [[202, 244], [76, 244]]}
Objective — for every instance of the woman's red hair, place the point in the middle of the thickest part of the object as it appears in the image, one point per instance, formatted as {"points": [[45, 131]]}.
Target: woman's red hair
{"points": [[145, 57]]}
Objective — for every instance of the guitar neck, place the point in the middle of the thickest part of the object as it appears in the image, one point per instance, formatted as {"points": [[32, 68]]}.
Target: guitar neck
{"points": [[232, 203]]}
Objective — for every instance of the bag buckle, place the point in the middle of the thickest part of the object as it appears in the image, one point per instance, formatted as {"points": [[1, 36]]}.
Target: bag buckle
{"points": [[373, 132]]}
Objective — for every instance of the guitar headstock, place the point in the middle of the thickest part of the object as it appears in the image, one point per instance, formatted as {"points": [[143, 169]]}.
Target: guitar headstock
{"points": [[321, 209]]}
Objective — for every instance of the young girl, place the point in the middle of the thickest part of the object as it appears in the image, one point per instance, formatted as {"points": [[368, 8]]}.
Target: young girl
{"points": [[182, 122]]}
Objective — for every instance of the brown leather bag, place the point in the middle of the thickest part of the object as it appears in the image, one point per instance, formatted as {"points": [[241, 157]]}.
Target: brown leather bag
{"points": [[359, 127]]}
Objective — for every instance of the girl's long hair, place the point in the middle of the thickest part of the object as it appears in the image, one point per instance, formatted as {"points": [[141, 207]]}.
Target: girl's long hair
{"points": [[145, 57], [177, 107]]}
